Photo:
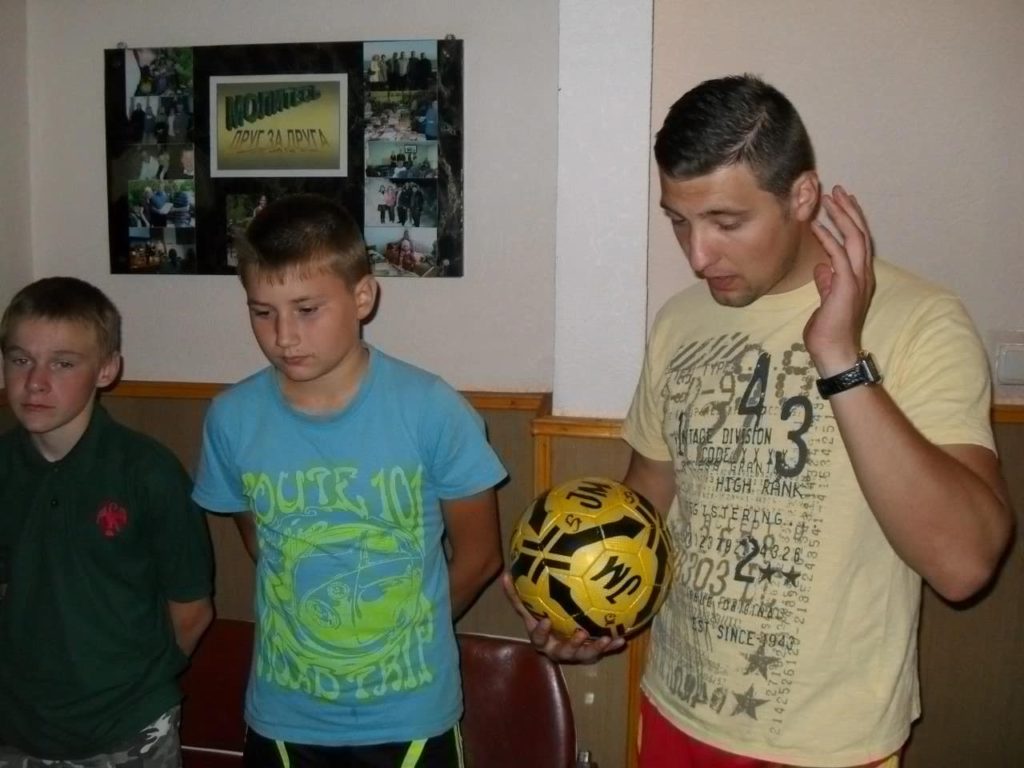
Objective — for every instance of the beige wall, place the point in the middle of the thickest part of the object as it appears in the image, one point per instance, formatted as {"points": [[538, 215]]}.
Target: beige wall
{"points": [[914, 105], [15, 257]]}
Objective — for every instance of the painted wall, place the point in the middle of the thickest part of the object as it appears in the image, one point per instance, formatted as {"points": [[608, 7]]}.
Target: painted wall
{"points": [[604, 74], [15, 255], [914, 115], [914, 106], [489, 330]]}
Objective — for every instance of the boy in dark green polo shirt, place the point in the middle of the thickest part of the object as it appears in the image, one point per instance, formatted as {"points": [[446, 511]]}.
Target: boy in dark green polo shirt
{"points": [[105, 563]]}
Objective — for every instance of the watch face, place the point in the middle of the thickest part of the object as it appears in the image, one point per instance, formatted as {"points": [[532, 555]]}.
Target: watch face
{"points": [[871, 374]]}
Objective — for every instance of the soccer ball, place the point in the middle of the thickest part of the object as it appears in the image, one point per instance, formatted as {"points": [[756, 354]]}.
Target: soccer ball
{"points": [[591, 554]]}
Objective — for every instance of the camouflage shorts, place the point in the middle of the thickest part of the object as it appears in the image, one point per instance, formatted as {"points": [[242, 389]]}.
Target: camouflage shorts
{"points": [[156, 746]]}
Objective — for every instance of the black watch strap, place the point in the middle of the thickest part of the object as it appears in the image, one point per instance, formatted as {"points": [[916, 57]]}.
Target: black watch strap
{"points": [[864, 371]]}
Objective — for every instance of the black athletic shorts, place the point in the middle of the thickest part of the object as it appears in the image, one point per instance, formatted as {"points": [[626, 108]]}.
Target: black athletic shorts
{"points": [[444, 751]]}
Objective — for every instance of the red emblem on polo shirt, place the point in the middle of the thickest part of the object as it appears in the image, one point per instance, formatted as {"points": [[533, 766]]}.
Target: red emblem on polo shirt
{"points": [[111, 518]]}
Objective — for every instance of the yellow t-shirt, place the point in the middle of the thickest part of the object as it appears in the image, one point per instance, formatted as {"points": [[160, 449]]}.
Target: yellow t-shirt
{"points": [[790, 632]]}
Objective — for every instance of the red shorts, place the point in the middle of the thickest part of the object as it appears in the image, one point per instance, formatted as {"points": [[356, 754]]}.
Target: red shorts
{"points": [[662, 745]]}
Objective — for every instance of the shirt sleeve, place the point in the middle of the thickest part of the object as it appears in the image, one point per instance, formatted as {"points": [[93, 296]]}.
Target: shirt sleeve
{"points": [[940, 375], [642, 428], [461, 461], [179, 535], [218, 485]]}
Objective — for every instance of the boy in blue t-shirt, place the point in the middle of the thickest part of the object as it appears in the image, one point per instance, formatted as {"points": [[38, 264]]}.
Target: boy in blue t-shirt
{"points": [[345, 469]]}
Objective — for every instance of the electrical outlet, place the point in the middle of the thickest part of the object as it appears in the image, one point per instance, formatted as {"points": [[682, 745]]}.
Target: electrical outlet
{"points": [[1007, 349], [1010, 363]]}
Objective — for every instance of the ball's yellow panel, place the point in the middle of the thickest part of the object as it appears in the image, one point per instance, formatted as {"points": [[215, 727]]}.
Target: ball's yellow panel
{"points": [[592, 554]]}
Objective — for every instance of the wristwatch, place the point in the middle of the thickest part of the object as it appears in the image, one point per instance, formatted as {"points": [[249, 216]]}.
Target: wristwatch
{"points": [[864, 371]]}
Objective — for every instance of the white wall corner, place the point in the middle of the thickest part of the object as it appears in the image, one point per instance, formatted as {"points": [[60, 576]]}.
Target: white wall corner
{"points": [[604, 141]]}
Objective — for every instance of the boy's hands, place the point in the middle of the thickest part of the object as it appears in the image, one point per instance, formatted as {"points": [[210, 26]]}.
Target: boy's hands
{"points": [[578, 649]]}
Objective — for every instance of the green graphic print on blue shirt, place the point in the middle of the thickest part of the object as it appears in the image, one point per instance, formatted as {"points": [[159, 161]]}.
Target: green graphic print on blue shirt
{"points": [[344, 601], [355, 643]]}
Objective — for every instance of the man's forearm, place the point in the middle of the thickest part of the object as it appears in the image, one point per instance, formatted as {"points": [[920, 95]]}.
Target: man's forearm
{"points": [[943, 509]]}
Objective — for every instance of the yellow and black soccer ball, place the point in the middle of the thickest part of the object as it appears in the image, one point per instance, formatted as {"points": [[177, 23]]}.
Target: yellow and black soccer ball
{"points": [[591, 554]]}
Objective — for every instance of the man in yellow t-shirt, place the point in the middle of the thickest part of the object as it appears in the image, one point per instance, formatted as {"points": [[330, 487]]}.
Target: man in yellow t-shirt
{"points": [[815, 426]]}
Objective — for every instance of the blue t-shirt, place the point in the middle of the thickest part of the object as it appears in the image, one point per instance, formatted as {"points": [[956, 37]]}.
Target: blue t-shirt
{"points": [[354, 642]]}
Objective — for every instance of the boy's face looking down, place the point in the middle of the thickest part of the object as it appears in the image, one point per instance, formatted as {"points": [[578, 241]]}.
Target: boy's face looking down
{"points": [[743, 241], [308, 325], [52, 369]]}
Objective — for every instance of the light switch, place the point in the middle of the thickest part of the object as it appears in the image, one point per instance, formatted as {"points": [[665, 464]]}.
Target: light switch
{"points": [[1010, 363]]}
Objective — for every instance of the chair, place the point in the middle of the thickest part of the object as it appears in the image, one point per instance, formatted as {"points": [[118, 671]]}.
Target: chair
{"points": [[517, 709], [212, 725]]}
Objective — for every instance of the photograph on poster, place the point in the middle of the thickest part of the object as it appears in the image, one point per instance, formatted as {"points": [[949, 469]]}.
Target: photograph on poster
{"points": [[279, 125], [401, 202], [161, 251], [400, 160], [400, 65], [402, 116], [168, 161], [240, 210], [161, 72], [404, 252], [161, 119], [160, 203]]}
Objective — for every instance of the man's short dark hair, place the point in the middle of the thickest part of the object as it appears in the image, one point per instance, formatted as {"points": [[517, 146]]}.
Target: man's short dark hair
{"points": [[66, 299], [732, 120], [304, 232]]}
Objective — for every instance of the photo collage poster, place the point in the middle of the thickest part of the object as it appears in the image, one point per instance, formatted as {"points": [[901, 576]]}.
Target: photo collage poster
{"points": [[200, 139]]}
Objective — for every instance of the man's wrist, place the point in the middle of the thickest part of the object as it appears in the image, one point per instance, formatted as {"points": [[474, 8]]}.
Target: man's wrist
{"points": [[862, 372], [836, 361]]}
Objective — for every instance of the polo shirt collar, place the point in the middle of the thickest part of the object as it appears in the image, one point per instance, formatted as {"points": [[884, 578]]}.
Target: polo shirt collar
{"points": [[82, 451]]}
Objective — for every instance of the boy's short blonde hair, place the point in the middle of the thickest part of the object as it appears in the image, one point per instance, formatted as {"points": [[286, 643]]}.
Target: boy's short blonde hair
{"points": [[303, 233], [65, 299]]}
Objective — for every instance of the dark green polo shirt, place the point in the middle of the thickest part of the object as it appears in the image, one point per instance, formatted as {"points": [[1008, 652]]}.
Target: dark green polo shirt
{"points": [[92, 547]]}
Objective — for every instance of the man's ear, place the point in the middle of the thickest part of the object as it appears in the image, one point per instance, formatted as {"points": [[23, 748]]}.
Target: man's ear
{"points": [[804, 196], [109, 371], [365, 293]]}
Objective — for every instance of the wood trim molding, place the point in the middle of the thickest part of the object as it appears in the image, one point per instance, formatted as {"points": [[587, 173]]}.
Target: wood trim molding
{"points": [[571, 426], [1008, 413], [536, 402], [193, 390], [170, 390], [506, 401]]}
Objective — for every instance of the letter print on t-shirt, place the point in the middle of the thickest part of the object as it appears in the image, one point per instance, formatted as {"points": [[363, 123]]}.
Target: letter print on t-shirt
{"points": [[751, 449], [344, 611]]}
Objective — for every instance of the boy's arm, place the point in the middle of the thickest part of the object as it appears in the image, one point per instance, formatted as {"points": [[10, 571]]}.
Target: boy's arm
{"points": [[190, 620], [247, 530], [475, 541]]}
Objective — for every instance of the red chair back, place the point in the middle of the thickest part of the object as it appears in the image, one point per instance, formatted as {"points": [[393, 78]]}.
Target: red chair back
{"points": [[517, 708], [212, 724]]}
